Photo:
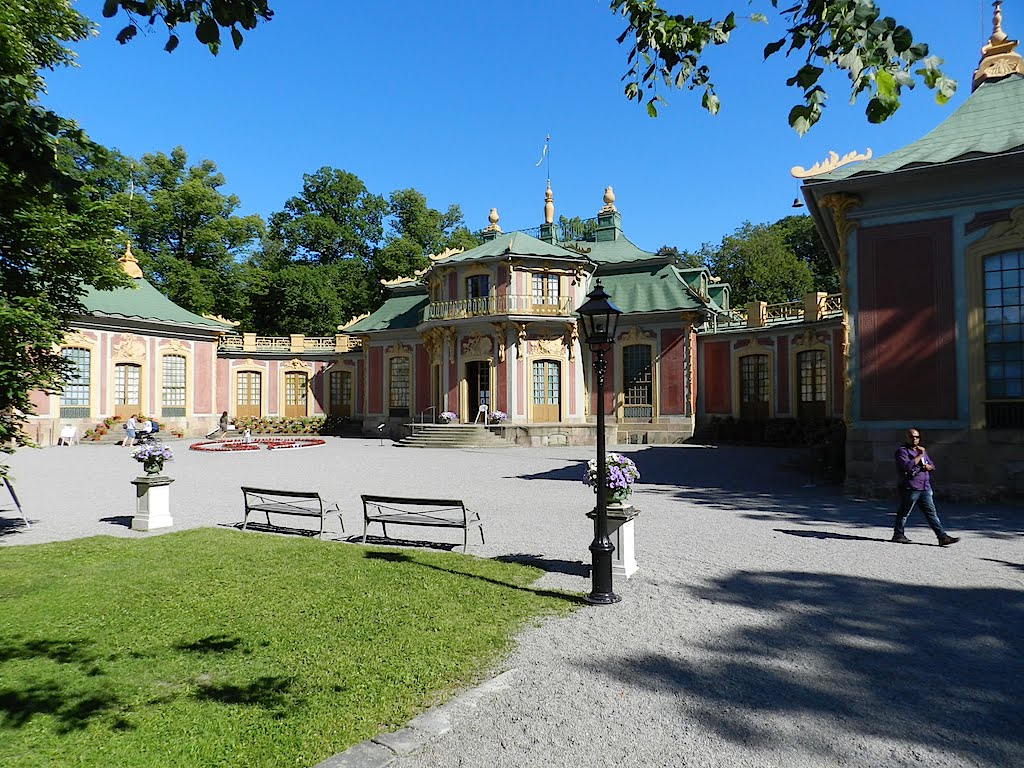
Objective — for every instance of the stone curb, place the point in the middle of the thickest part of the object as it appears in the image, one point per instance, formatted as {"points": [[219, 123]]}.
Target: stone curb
{"points": [[382, 749]]}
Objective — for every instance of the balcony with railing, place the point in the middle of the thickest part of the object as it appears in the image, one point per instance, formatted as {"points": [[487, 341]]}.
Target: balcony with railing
{"points": [[295, 343], [812, 308], [506, 304]]}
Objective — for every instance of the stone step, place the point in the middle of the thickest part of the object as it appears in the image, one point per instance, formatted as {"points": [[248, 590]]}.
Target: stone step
{"points": [[451, 436]]}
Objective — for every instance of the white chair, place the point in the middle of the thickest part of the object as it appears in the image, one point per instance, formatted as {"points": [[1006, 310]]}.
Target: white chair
{"points": [[68, 435], [481, 413]]}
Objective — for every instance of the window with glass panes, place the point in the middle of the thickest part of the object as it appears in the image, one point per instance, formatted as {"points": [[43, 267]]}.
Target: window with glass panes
{"points": [[478, 286], [341, 389], [637, 380], [754, 387], [812, 383], [74, 399], [398, 397], [545, 288], [172, 396], [1004, 339]]}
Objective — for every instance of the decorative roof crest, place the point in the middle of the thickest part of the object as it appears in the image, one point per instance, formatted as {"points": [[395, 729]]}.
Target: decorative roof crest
{"points": [[493, 217], [609, 201], [445, 254], [999, 57], [549, 205], [397, 281], [353, 321], [830, 163], [222, 319], [129, 264]]}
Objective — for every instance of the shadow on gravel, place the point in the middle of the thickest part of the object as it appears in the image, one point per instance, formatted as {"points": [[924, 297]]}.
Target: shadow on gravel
{"points": [[933, 668], [123, 520], [9, 526], [570, 567]]}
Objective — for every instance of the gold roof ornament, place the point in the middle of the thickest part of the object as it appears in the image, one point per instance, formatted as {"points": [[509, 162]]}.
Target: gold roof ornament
{"points": [[830, 163], [353, 321], [445, 254], [222, 319], [397, 281], [609, 201], [549, 205], [129, 264], [493, 217], [999, 57]]}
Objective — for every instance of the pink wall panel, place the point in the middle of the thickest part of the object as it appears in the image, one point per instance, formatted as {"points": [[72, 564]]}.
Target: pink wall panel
{"points": [[375, 397], [421, 368], [202, 376], [782, 377], [224, 374], [453, 389], [717, 380], [359, 389], [573, 406], [906, 327], [671, 384], [273, 370], [40, 402]]}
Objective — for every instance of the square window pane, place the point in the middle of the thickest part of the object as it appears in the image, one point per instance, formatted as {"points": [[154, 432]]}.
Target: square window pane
{"points": [[1011, 296], [1011, 278], [993, 297], [1010, 261], [993, 315]]}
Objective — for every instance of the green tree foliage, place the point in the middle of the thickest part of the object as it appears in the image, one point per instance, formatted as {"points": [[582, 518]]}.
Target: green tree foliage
{"points": [[877, 53], [802, 238], [56, 228], [186, 234], [759, 265]]}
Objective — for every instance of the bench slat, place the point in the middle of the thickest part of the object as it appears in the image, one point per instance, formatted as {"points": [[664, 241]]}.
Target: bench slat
{"points": [[279, 502], [438, 513]]}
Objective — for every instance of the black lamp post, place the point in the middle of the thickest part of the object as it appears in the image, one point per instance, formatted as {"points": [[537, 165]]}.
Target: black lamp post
{"points": [[599, 317]]}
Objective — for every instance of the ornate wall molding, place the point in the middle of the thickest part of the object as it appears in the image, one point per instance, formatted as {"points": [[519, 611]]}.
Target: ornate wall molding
{"points": [[296, 365], [174, 347], [554, 346], [636, 335], [499, 329], [130, 347], [478, 345], [809, 338], [398, 348], [77, 339]]}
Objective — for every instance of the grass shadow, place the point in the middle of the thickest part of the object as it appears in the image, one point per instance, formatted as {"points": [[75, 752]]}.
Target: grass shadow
{"points": [[568, 567]]}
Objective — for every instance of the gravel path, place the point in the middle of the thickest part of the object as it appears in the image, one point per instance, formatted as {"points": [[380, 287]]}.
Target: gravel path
{"points": [[770, 624]]}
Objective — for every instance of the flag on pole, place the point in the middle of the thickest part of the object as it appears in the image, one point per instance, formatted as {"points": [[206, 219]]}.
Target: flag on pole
{"points": [[544, 152]]}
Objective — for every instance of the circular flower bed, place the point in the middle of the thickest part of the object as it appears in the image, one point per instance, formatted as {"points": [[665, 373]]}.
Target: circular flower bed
{"points": [[272, 444]]}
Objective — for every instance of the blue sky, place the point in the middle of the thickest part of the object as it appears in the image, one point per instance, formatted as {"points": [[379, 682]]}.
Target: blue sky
{"points": [[455, 100]]}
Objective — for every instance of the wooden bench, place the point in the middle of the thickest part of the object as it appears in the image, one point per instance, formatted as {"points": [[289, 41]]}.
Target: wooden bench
{"points": [[301, 503], [438, 513]]}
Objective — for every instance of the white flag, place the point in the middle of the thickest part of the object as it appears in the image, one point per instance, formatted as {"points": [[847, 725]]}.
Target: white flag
{"points": [[544, 152]]}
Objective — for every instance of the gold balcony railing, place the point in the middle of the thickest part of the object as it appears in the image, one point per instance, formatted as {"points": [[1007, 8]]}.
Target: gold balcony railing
{"points": [[250, 342], [787, 310], [507, 304], [833, 305]]}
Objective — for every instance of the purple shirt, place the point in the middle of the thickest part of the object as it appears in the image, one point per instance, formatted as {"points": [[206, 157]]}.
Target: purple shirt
{"points": [[913, 477]]}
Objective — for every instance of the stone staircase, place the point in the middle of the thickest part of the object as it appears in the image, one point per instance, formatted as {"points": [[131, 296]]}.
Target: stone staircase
{"points": [[451, 436]]}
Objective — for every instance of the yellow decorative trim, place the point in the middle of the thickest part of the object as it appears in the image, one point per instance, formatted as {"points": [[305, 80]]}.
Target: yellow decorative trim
{"points": [[499, 329], [609, 201], [521, 338], [297, 365], [353, 321], [573, 333], [129, 264], [447, 253], [77, 339], [397, 281], [998, 56], [222, 319], [830, 163]]}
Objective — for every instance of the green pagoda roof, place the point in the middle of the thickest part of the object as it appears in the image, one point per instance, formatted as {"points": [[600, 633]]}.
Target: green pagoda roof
{"points": [[144, 302], [399, 311], [989, 122], [514, 243], [657, 288], [609, 252]]}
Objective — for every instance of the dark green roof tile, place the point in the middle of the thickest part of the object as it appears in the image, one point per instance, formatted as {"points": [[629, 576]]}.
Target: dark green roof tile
{"points": [[657, 288], [403, 310], [144, 302]]}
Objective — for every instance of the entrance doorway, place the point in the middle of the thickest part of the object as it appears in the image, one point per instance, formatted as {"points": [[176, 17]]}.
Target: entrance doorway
{"points": [[247, 397], [126, 390], [295, 386], [478, 386], [341, 394], [547, 390]]}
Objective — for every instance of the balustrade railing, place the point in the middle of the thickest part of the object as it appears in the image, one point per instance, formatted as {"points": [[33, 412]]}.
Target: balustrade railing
{"points": [[833, 305], [250, 342], [786, 310], [507, 304]]}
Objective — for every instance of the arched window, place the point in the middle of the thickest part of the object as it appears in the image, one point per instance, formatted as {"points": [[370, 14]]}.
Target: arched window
{"points": [[75, 399], [399, 386], [637, 382], [172, 390], [1004, 340]]}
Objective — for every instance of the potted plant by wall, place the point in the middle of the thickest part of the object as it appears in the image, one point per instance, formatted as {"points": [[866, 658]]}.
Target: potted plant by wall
{"points": [[152, 458], [497, 417]]}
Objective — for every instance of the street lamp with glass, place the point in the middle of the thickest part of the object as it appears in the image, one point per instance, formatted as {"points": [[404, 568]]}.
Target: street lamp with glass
{"points": [[599, 318]]}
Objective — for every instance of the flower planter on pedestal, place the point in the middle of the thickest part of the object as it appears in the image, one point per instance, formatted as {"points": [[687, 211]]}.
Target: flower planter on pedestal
{"points": [[152, 502], [621, 515]]}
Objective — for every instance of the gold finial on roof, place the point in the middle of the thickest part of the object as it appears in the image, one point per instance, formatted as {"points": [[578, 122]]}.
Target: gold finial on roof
{"points": [[549, 205], [129, 264], [999, 57], [609, 201], [493, 217]]}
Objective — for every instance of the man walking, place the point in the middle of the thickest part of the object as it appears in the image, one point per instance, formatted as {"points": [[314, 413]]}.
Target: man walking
{"points": [[915, 468]]}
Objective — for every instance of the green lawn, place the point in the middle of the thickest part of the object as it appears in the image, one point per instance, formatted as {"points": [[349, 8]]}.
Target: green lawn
{"points": [[217, 648]]}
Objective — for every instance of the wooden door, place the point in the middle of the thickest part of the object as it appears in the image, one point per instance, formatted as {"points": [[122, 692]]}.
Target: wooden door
{"points": [[296, 384], [127, 400], [754, 388], [248, 393], [547, 391], [478, 386], [341, 394]]}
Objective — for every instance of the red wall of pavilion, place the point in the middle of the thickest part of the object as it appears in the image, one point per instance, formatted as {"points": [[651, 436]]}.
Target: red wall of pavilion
{"points": [[375, 391], [422, 365], [673, 364], [782, 376], [906, 328], [717, 379]]}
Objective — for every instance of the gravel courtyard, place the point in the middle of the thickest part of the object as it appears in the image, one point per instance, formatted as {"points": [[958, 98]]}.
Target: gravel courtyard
{"points": [[771, 622]]}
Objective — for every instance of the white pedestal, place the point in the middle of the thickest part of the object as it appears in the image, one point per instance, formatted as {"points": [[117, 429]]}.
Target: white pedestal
{"points": [[622, 534], [152, 502]]}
